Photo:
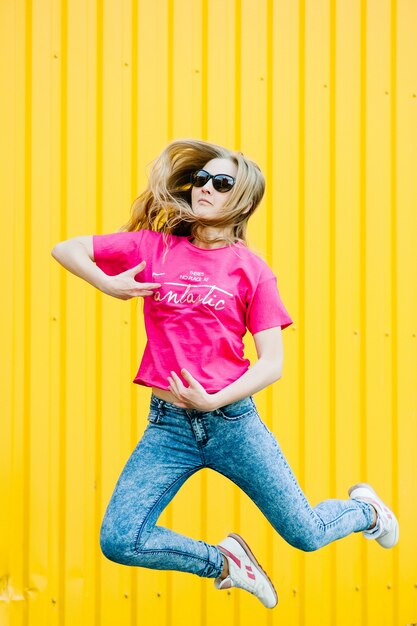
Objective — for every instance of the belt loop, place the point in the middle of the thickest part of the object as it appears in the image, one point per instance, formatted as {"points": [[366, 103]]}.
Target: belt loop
{"points": [[161, 404]]}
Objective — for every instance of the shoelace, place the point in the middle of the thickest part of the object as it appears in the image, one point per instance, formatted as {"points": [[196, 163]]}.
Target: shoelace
{"points": [[383, 524]]}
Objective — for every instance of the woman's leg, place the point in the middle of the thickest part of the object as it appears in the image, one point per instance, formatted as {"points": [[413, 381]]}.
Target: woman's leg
{"points": [[248, 453], [162, 461]]}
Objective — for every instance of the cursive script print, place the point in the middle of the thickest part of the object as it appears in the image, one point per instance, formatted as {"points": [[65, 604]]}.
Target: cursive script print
{"points": [[186, 294]]}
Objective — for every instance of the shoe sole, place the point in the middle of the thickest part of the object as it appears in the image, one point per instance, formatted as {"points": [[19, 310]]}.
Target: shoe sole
{"points": [[252, 557]]}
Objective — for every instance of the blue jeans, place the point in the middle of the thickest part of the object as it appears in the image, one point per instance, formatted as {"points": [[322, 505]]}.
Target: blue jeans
{"points": [[235, 442]]}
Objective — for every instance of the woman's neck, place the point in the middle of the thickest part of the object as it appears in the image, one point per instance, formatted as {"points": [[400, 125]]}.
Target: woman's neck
{"points": [[211, 233]]}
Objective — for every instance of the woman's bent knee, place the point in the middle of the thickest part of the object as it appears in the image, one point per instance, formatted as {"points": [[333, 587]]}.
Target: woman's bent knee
{"points": [[109, 548], [115, 547], [307, 543]]}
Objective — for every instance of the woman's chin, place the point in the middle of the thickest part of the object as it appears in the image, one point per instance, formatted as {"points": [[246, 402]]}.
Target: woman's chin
{"points": [[201, 211]]}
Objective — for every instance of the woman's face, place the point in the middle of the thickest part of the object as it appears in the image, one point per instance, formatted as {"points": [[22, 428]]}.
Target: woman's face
{"points": [[206, 201]]}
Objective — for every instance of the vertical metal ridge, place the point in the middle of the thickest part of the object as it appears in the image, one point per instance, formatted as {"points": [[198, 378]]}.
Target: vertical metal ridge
{"points": [[99, 307], [237, 138], [269, 124], [134, 618], [394, 300], [134, 103], [14, 330], [204, 532], [332, 297], [170, 132], [238, 73], [204, 131], [204, 68], [16, 280], [301, 281], [133, 194], [98, 452], [269, 210], [27, 211], [170, 70], [362, 286], [63, 312]]}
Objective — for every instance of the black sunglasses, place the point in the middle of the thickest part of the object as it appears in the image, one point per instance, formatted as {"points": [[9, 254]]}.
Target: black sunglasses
{"points": [[221, 182]]}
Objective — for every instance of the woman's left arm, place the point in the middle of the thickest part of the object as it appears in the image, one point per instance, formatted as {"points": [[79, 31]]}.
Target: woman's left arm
{"points": [[266, 370]]}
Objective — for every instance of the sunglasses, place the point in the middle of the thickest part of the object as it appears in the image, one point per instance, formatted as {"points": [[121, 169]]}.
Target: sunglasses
{"points": [[221, 182]]}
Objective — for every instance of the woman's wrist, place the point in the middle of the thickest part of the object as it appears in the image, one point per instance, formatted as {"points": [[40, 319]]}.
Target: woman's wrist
{"points": [[216, 400], [258, 377]]}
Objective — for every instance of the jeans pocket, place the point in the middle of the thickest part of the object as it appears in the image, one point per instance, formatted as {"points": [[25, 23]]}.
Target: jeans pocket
{"points": [[237, 411]]}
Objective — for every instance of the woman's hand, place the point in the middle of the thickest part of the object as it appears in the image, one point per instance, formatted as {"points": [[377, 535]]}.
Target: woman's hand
{"points": [[124, 286], [192, 397]]}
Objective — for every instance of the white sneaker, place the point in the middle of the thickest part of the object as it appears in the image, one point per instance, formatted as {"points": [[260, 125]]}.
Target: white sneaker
{"points": [[386, 531], [245, 571]]}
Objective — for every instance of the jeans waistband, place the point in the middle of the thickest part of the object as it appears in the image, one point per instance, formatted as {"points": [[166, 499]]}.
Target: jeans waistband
{"points": [[239, 405]]}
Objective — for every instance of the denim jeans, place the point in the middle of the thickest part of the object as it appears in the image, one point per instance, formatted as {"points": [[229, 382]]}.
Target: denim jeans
{"points": [[235, 442]]}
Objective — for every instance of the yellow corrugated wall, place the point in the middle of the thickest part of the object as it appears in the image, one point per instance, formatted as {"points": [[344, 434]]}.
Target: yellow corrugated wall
{"points": [[323, 95]]}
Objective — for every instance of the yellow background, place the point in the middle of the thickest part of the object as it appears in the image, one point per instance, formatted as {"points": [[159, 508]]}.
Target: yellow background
{"points": [[322, 94]]}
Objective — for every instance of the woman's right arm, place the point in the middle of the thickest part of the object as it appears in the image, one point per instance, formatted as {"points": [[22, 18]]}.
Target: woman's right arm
{"points": [[77, 256]]}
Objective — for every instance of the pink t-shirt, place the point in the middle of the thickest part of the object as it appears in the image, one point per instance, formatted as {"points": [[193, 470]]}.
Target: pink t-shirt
{"points": [[198, 317]]}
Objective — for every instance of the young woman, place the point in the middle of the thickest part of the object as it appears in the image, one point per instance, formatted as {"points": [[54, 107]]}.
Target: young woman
{"points": [[184, 251]]}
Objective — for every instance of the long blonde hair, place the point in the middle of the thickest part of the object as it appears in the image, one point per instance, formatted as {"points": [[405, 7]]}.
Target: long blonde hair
{"points": [[165, 205]]}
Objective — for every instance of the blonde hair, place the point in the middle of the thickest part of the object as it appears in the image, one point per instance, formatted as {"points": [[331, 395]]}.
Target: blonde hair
{"points": [[165, 205]]}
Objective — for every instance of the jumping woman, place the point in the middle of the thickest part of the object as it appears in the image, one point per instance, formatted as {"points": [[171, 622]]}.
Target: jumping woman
{"points": [[184, 250]]}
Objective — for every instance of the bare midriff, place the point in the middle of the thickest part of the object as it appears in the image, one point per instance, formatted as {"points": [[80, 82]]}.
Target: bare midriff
{"points": [[164, 395]]}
